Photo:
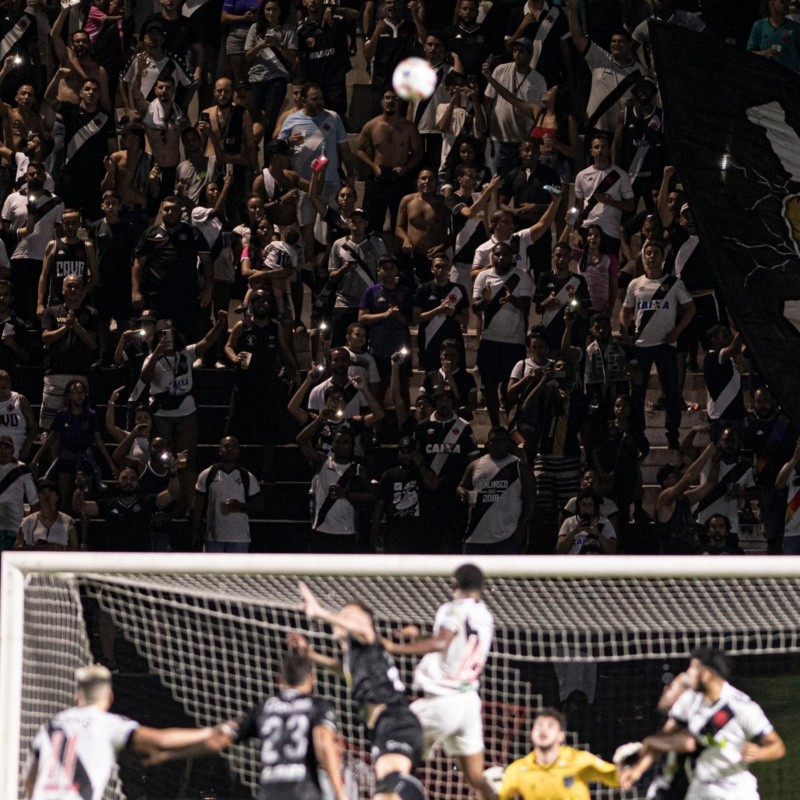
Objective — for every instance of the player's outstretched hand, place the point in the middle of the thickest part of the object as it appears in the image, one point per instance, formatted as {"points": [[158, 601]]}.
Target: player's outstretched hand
{"points": [[298, 643], [310, 604], [410, 632]]}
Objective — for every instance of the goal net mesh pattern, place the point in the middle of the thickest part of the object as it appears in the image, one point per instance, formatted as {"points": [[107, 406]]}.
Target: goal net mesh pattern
{"points": [[216, 641]]}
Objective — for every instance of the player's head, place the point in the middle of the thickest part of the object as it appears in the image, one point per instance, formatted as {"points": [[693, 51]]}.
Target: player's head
{"points": [[548, 729], [93, 686], [468, 578], [707, 665], [354, 611], [297, 671]]}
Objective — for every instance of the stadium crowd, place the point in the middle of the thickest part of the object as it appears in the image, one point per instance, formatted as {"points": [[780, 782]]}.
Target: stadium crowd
{"points": [[181, 200]]}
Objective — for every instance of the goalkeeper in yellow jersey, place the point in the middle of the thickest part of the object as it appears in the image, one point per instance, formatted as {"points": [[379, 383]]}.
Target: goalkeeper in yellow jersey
{"points": [[553, 771]]}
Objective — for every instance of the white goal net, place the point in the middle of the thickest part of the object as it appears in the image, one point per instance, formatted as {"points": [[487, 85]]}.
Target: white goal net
{"points": [[204, 637]]}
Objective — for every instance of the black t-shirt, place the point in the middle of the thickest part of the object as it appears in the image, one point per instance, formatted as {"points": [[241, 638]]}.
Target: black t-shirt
{"points": [[454, 442], [175, 33], [324, 53], [391, 50], [170, 266], [129, 528], [87, 161], [430, 296], [401, 491], [471, 46], [262, 342], [464, 382], [371, 674], [523, 188], [69, 355], [285, 725], [114, 245]]}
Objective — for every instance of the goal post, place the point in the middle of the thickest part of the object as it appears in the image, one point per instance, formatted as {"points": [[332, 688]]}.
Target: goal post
{"points": [[212, 629]]}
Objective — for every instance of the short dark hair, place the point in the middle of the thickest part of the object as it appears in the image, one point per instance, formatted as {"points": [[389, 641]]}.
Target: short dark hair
{"points": [[600, 135], [713, 659], [583, 494], [469, 577], [621, 32], [295, 668], [724, 518], [552, 713], [453, 77]]}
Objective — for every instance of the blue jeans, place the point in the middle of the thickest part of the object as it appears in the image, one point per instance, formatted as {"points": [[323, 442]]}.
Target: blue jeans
{"points": [[269, 96], [227, 547], [665, 357]]}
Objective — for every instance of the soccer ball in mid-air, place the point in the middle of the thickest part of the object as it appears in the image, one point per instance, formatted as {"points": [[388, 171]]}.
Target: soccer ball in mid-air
{"points": [[414, 79], [494, 777]]}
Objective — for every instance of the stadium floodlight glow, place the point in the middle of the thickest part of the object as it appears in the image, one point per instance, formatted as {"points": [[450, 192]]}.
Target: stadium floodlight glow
{"points": [[225, 618]]}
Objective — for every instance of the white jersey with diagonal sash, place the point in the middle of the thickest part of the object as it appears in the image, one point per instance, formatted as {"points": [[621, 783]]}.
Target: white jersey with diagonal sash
{"points": [[12, 421], [721, 729], [458, 668], [77, 750]]}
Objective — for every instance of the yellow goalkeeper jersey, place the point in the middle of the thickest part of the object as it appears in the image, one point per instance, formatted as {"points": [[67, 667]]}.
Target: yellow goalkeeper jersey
{"points": [[567, 778]]}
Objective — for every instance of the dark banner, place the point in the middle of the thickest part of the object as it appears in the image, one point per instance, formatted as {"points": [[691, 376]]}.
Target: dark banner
{"points": [[732, 121]]}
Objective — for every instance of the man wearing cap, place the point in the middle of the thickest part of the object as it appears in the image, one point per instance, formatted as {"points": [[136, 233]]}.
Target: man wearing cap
{"points": [[640, 146], [662, 309], [448, 445], [507, 125], [352, 269], [406, 497], [16, 489]]}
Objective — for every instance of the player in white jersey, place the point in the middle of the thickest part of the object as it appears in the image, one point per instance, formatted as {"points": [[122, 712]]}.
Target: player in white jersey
{"points": [[723, 729], [448, 675], [73, 754]]}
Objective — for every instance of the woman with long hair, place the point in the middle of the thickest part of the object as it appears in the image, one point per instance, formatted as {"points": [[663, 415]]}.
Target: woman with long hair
{"points": [[469, 151], [599, 268]]}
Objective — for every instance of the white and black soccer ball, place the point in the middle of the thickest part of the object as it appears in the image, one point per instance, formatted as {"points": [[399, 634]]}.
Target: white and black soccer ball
{"points": [[414, 79], [494, 777]]}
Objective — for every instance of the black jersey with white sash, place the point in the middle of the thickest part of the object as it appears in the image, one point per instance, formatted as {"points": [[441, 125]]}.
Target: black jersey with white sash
{"points": [[371, 674]]}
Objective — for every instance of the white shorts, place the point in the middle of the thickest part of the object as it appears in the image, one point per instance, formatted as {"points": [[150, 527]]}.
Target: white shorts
{"points": [[740, 787], [452, 719]]}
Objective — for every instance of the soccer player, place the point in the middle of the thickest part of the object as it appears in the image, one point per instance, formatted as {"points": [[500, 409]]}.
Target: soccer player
{"points": [[375, 684], [298, 734], [74, 753], [724, 729], [448, 676], [553, 771]]}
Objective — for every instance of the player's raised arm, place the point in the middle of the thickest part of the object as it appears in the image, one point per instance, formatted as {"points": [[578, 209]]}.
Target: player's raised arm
{"points": [[300, 645], [356, 624], [154, 745], [419, 645]]}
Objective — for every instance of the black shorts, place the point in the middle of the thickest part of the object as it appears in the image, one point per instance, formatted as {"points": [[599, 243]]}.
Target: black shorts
{"points": [[496, 360], [298, 790], [398, 731]]}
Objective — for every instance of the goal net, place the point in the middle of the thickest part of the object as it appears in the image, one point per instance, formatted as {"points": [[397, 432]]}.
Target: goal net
{"points": [[200, 639]]}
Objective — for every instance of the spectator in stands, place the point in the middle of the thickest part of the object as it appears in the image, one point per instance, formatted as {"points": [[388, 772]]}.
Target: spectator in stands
{"points": [[16, 345], [16, 420], [422, 230], [461, 115], [257, 347], [608, 508], [587, 532], [507, 125], [663, 11], [662, 308], [776, 36], [452, 374], [606, 370], [407, 492], [340, 485], [69, 335], [469, 39], [789, 476], [31, 215], [165, 273], [47, 528], [546, 25], [16, 488], [226, 494], [498, 487], [717, 537], [129, 517], [725, 398], [613, 74], [73, 434], [133, 447], [391, 148], [361, 362]]}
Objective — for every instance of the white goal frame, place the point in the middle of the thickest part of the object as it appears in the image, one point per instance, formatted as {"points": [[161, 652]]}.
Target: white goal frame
{"points": [[16, 567]]}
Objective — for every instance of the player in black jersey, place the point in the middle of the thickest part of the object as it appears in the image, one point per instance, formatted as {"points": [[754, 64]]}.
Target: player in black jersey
{"points": [[298, 734], [375, 685]]}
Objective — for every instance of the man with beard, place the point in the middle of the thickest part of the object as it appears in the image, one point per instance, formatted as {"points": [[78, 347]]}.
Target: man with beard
{"points": [[77, 63], [31, 215], [390, 40], [448, 445], [20, 120], [725, 729], [406, 494], [391, 147], [770, 437], [88, 135], [257, 346], [129, 517], [128, 172]]}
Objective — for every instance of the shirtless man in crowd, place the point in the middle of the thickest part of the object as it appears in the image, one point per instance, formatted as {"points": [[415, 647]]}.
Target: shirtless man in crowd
{"points": [[126, 173], [22, 118], [392, 148], [422, 228]]}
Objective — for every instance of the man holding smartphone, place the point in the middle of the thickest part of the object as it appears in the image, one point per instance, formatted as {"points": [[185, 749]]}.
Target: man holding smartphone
{"points": [[587, 531]]}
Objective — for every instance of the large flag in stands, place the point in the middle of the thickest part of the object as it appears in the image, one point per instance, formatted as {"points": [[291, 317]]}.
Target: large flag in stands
{"points": [[733, 127]]}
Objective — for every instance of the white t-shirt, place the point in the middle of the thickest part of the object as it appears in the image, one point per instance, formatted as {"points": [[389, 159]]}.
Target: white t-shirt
{"points": [[607, 507], [602, 214], [528, 367], [457, 120], [323, 132], [508, 324], [173, 376], [341, 518], [363, 364], [506, 123], [639, 297], [459, 667], [519, 241], [79, 746], [35, 532], [22, 490], [316, 400], [221, 526], [606, 75], [15, 212], [721, 730], [725, 505], [583, 538]]}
